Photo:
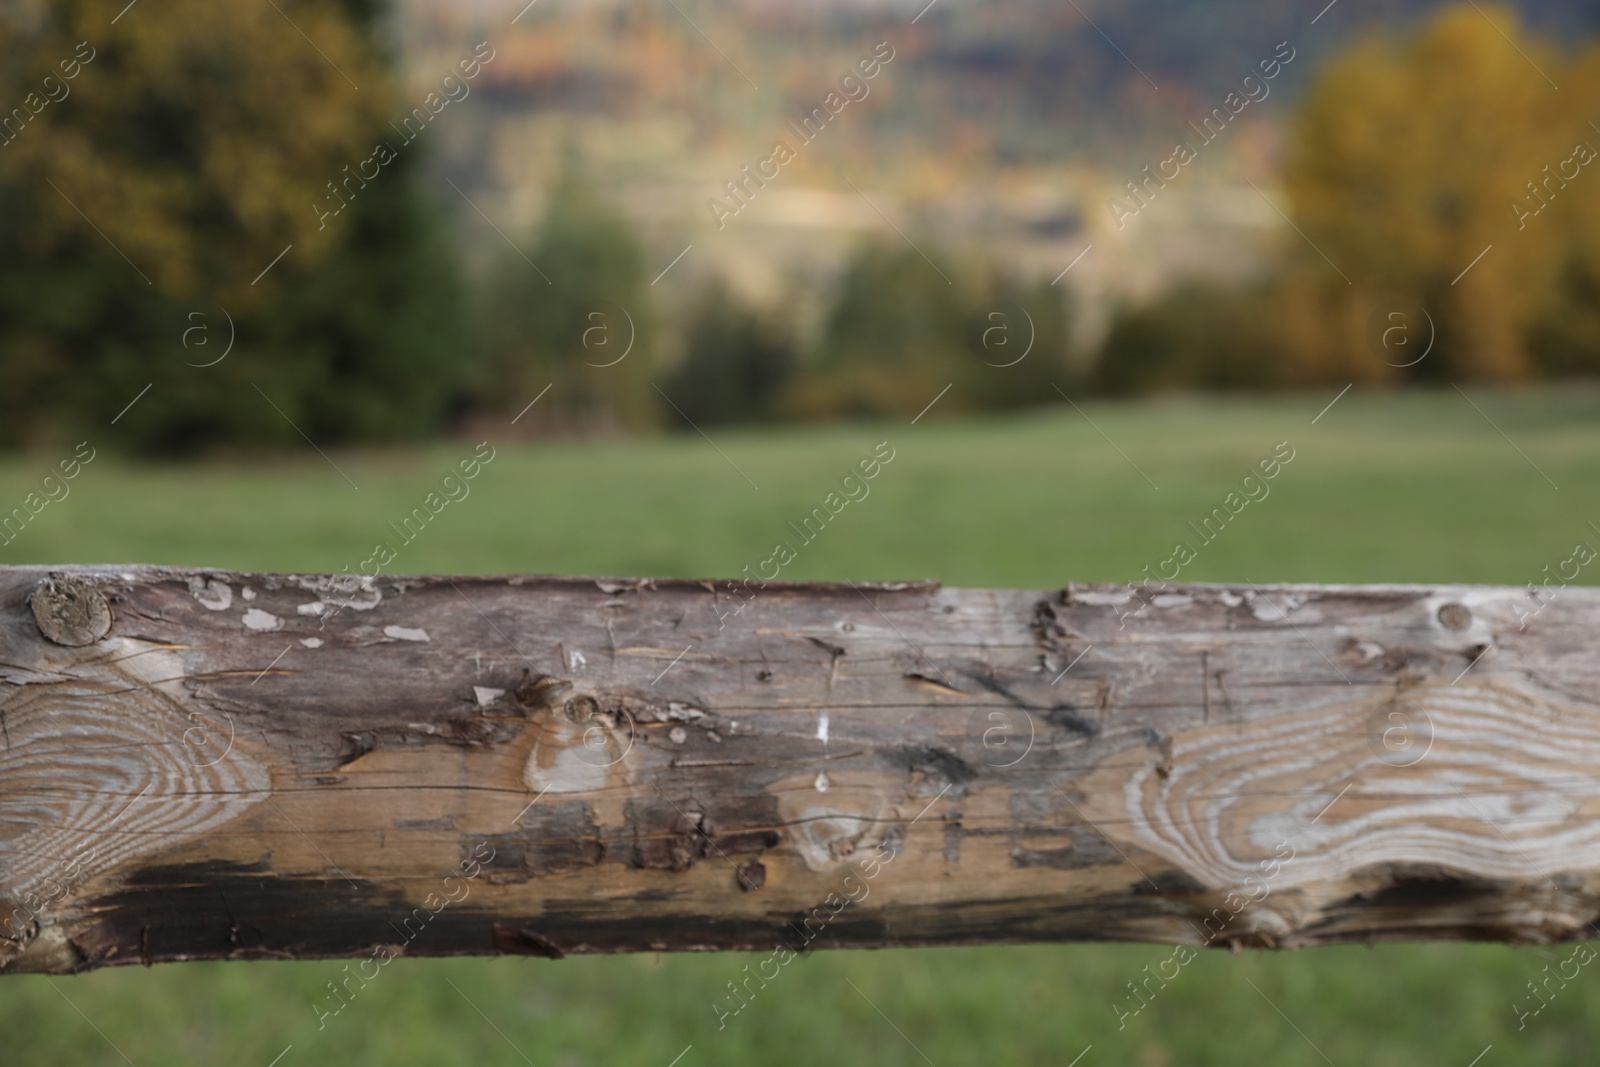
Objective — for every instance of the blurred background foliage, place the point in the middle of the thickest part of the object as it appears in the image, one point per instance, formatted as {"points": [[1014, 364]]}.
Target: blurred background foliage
{"points": [[579, 323], [142, 210], [194, 145]]}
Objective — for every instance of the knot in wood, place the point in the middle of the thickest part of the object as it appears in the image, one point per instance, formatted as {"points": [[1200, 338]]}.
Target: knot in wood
{"points": [[1455, 616], [584, 709], [70, 610]]}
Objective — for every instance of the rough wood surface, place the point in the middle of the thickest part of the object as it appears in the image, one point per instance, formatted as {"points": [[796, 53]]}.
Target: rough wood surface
{"points": [[274, 766]]}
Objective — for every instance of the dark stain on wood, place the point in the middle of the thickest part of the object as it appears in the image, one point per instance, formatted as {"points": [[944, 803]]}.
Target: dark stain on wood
{"points": [[551, 838], [665, 834], [752, 875], [1063, 714], [934, 763], [222, 910], [1066, 717], [521, 941]]}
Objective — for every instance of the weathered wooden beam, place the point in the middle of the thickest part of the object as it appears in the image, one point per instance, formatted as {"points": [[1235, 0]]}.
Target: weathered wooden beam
{"points": [[200, 764]]}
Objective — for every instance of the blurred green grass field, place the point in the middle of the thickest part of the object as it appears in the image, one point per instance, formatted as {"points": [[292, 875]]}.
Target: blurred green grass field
{"points": [[1414, 487]]}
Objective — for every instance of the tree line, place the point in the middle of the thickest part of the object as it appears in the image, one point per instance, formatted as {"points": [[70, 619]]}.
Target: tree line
{"points": [[160, 208]]}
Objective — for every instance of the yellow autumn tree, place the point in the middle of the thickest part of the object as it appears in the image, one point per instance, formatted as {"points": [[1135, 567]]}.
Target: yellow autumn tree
{"points": [[1406, 163]]}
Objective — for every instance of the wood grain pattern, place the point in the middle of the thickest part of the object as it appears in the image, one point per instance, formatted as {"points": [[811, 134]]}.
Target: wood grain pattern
{"points": [[279, 766]]}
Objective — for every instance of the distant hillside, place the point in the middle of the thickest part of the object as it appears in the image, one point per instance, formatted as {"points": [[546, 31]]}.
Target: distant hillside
{"points": [[1024, 81], [1003, 127]]}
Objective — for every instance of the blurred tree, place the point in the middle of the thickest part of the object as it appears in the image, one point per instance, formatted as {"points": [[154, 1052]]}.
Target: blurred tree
{"points": [[189, 147], [376, 329], [893, 337], [1566, 334], [738, 362], [576, 315], [1405, 162], [1019, 347], [902, 327], [1197, 335]]}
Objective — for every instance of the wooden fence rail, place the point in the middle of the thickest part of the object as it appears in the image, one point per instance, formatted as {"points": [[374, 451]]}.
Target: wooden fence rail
{"points": [[202, 765]]}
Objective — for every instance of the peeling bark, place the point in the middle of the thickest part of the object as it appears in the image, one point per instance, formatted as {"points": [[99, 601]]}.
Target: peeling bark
{"points": [[202, 765]]}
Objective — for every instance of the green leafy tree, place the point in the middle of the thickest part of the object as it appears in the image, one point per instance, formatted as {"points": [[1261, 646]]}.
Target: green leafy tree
{"points": [[575, 315], [894, 336], [1197, 335], [902, 327], [1021, 352]]}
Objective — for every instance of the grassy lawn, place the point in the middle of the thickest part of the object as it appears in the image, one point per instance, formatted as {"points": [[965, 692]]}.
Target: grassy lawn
{"points": [[1390, 488]]}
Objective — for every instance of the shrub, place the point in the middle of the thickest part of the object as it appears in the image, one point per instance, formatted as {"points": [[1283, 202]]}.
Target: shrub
{"points": [[737, 364]]}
